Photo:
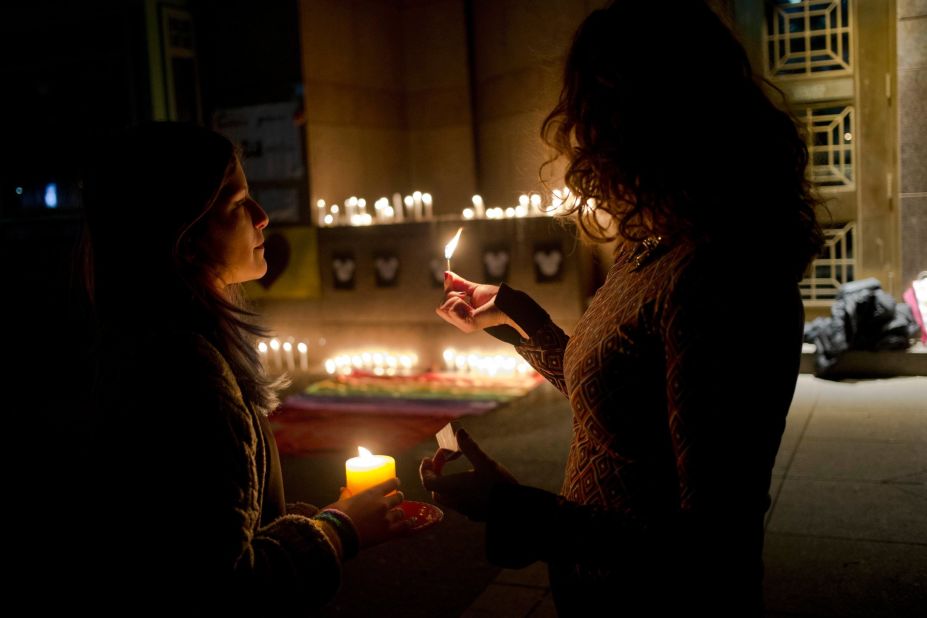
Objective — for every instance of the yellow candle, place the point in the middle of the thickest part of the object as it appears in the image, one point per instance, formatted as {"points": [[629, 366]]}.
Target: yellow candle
{"points": [[368, 470]]}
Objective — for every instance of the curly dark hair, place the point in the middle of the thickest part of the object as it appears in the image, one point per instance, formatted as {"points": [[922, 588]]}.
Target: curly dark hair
{"points": [[664, 125]]}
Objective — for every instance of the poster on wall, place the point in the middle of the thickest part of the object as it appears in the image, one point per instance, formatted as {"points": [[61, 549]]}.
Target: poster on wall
{"points": [[272, 153], [344, 270], [386, 269], [292, 260], [548, 262], [496, 264]]}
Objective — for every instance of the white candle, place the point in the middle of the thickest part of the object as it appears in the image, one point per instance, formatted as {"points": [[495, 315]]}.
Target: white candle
{"points": [[320, 211], [275, 346], [397, 206], [407, 200], [536, 201], [449, 355], [288, 351], [478, 206], [303, 356], [417, 200], [262, 353], [336, 213], [426, 199]]}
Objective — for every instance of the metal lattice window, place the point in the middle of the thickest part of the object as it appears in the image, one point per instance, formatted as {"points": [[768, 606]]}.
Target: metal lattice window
{"points": [[807, 37], [829, 130], [833, 268]]}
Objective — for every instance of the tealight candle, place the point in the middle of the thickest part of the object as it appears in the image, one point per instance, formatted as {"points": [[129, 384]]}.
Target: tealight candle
{"points": [[367, 470]]}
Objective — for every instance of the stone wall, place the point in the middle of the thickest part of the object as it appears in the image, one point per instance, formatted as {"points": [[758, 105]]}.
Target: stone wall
{"points": [[912, 110]]}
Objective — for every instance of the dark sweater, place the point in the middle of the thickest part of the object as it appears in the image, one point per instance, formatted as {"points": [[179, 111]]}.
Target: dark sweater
{"points": [[189, 512], [675, 433]]}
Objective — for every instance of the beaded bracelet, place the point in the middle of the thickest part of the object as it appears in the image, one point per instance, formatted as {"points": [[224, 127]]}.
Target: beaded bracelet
{"points": [[350, 542]]}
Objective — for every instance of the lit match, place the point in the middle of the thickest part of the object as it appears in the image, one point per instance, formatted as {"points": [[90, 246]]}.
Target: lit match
{"points": [[451, 246]]}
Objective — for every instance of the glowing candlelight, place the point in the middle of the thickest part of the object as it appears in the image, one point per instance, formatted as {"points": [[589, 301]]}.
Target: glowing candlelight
{"points": [[303, 356], [262, 353], [536, 201], [275, 346], [477, 206], [427, 201], [397, 206], [449, 355], [367, 470], [451, 246], [417, 201], [288, 351]]}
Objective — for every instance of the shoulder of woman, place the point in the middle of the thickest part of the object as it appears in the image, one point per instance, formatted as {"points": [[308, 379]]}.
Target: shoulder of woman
{"points": [[184, 356]]}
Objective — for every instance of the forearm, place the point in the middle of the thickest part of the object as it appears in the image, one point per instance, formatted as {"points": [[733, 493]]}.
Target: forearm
{"points": [[535, 337]]}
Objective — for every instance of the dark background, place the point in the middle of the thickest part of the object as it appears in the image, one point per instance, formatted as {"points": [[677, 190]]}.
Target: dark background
{"points": [[71, 74]]}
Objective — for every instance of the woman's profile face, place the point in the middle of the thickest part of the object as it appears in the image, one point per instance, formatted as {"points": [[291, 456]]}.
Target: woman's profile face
{"points": [[234, 238]]}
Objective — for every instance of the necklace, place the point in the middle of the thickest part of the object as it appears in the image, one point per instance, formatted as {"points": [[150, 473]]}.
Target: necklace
{"points": [[644, 250]]}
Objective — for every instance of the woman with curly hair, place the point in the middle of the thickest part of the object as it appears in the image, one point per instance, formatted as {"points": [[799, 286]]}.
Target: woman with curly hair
{"points": [[674, 150]]}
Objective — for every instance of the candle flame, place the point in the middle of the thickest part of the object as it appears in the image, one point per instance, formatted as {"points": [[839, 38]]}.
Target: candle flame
{"points": [[451, 246], [364, 453]]}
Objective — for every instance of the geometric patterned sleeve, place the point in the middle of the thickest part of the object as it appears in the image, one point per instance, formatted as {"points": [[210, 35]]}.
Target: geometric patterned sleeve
{"points": [[544, 348]]}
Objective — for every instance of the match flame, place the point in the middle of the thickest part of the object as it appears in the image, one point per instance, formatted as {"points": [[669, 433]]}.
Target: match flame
{"points": [[364, 453], [451, 246]]}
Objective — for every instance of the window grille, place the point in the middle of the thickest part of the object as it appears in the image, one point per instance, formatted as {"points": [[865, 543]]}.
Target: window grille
{"points": [[832, 268], [829, 131], [808, 37]]}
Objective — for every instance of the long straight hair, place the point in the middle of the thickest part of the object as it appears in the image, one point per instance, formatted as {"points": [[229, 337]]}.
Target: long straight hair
{"points": [[147, 197]]}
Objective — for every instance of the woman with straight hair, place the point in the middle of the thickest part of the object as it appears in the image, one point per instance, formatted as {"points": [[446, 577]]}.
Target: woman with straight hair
{"points": [[186, 510]]}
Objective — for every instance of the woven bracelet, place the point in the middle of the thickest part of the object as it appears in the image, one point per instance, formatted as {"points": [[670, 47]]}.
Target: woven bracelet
{"points": [[350, 542]]}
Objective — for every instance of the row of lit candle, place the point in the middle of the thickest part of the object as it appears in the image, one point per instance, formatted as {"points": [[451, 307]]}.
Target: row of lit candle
{"points": [[415, 207], [528, 206], [378, 362], [474, 363], [419, 206], [283, 354]]}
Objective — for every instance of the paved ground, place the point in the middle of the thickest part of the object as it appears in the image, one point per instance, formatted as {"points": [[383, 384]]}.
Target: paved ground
{"points": [[846, 534]]}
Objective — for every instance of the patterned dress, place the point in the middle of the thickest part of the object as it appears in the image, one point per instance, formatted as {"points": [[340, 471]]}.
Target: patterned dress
{"points": [[679, 399]]}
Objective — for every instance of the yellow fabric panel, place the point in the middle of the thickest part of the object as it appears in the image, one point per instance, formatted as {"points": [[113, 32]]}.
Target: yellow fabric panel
{"points": [[292, 255]]}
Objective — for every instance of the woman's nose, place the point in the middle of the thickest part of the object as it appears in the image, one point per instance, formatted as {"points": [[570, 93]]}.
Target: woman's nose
{"points": [[259, 216]]}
